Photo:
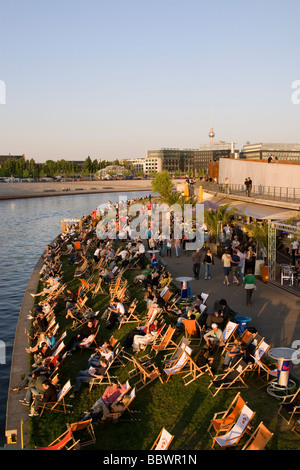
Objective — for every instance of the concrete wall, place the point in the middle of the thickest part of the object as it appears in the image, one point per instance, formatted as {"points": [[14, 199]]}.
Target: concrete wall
{"points": [[266, 174]]}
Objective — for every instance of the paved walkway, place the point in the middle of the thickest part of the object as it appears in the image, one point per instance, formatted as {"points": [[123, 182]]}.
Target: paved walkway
{"points": [[274, 313]]}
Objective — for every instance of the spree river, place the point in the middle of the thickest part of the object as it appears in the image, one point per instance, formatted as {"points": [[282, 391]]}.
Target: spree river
{"points": [[27, 226]]}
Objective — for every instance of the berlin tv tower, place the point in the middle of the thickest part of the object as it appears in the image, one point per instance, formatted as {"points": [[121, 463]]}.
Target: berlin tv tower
{"points": [[211, 132]]}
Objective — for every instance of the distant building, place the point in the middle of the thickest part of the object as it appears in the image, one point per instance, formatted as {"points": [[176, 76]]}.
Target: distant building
{"points": [[192, 160], [263, 151], [3, 158]]}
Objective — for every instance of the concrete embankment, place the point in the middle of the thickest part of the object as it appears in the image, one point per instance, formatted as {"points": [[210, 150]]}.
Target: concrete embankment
{"points": [[16, 428], [50, 189]]}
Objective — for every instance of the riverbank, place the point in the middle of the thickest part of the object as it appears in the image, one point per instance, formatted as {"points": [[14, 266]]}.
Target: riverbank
{"points": [[59, 188]]}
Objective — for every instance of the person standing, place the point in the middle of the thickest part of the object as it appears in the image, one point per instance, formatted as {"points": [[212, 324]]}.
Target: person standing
{"points": [[226, 260], [141, 253], [177, 246], [246, 183], [197, 260], [208, 261], [250, 285], [235, 261], [249, 186]]}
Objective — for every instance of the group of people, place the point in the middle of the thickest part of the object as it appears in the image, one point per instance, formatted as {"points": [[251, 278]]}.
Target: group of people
{"points": [[153, 277]]}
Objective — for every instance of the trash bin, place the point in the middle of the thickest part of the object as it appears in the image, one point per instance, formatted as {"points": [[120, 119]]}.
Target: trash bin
{"points": [[242, 322]]}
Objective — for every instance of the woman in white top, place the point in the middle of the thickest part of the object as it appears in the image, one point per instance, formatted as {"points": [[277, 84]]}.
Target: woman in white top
{"points": [[226, 260]]}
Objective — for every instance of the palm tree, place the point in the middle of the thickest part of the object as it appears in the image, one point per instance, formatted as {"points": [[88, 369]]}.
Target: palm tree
{"points": [[212, 219], [259, 232]]}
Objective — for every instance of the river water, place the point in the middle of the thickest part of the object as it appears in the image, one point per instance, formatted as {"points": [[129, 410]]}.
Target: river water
{"points": [[26, 227]]}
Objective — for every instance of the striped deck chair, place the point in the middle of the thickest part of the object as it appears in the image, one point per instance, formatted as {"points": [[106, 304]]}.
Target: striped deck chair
{"points": [[233, 437], [223, 421], [228, 333], [163, 440], [179, 366], [265, 372]]}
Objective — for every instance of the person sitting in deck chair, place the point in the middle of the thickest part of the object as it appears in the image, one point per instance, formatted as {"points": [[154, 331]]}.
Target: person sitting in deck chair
{"points": [[84, 376], [213, 337], [49, 395], [48, 290], [87, 330], [102, 407], [115, 311], [147, 336]]}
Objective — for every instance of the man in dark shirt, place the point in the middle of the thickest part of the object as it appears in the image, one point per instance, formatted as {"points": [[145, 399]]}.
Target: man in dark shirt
{"points": [[197, 259], [87, 330], [49, 396], [86, 375]]}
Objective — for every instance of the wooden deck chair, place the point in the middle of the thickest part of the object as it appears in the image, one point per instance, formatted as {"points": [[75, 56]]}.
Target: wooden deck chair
{"points": [[165, 342], [68, 251], [172, 357], [117, 409], [127, 400], [247, 337], [255, 344], [80, 270], [146, 373], [234, 435], [98, 265], [163, 440], [193, 331], [130, 316], [230, 379], [178, 367], [85, 432], [60, 340], [105, 379], [265, 372], [59, 405], [228, 333], [223, 421], [52, 296], [61, 443], [118, 360], [87, 286], [166, 294], [58, 349], [89, 341], [204, 297], [294, 428], [259, 438], [195, 371], [98, 288], [290, 405]]}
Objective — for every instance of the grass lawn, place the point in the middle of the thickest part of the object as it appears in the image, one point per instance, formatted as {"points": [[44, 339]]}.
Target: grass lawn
{"points": [[184, 411]]}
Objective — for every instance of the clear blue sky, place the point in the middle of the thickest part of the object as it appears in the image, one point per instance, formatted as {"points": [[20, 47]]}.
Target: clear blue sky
{"points": [[113, 78]]}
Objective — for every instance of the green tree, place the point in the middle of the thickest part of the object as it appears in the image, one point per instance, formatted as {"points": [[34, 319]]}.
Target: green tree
{"points": [[212, 219]]}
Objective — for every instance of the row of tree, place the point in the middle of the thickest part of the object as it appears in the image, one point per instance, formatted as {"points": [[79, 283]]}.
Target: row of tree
{"points": [[30, 169]]}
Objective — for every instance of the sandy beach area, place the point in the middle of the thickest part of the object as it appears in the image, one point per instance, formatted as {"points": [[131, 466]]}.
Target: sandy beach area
{"points": [[61, 188]]}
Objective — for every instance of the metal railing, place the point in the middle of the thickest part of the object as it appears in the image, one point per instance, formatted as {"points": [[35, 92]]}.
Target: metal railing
{"points": [[279, 193]]}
